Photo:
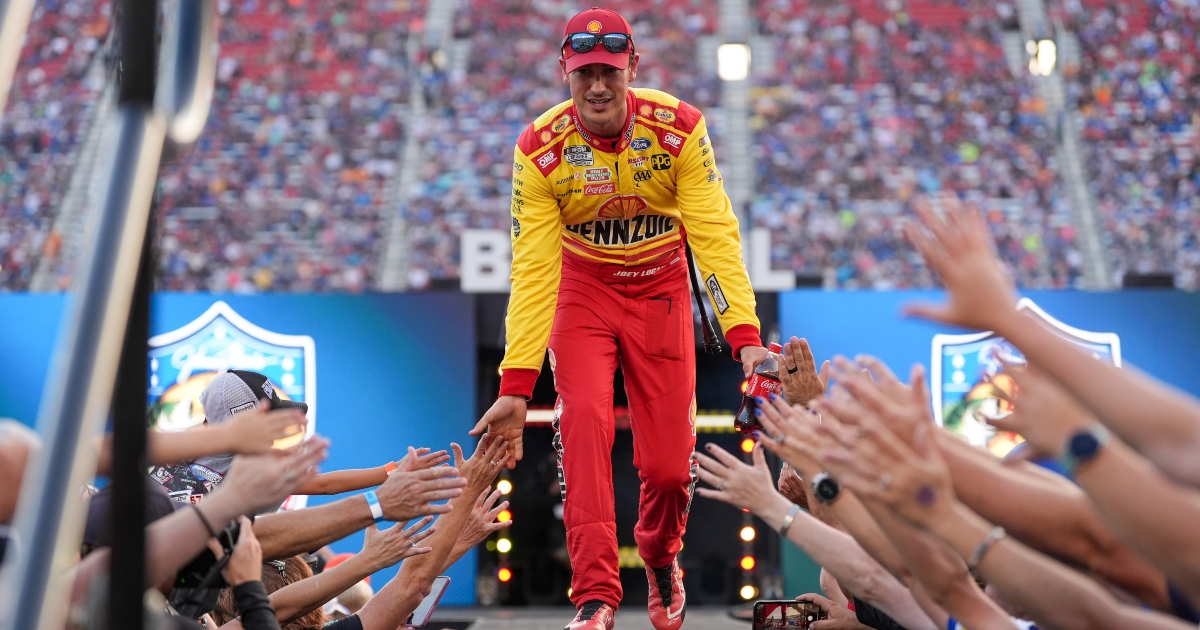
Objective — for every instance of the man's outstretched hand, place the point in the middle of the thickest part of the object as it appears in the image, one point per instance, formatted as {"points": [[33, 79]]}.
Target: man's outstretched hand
{"points": [[506, 419]]}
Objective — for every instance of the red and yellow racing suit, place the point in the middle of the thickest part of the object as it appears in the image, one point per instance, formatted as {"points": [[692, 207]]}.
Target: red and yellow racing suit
{"points": [[599, 275]]}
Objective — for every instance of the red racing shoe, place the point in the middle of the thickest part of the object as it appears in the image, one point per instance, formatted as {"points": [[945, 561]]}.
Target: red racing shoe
{"points": [[593, 615], [667, 599]]}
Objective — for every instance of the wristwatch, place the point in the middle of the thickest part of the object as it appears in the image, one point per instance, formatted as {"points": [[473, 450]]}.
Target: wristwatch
{"points": [[825, 488], [1083, 446]]}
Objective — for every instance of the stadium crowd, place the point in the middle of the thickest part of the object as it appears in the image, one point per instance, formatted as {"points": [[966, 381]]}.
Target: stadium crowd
{"points": [[52, 96], [285, 188], [870, 104], [279, 572], [1136, 89], [1087, 525], [479, 110]]}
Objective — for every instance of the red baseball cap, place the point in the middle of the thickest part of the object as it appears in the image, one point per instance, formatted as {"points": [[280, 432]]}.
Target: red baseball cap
{"points": [[598, 22]]}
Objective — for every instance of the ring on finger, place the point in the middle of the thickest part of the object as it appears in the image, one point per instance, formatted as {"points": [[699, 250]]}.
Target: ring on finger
{"points": [[793, 369], [885, 481], [721, 486], [495, 463], [778, 439]]}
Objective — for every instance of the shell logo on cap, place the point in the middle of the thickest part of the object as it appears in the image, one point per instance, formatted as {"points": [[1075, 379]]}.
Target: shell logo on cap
{"points": [[594, 26]]}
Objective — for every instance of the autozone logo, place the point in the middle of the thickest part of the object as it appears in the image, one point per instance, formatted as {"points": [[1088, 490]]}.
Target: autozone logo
{"points": [[602, 174], [672, 140], [600, 189], [547, 159]]}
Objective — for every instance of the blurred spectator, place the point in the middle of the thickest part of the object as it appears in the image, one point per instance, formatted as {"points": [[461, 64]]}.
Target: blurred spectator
{"points": [[285, 188], [48, 114], [1137, 89], [872, 103]]}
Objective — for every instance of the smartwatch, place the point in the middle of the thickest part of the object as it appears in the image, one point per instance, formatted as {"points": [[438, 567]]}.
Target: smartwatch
{"points": [[1083, 446], [825, 488]]}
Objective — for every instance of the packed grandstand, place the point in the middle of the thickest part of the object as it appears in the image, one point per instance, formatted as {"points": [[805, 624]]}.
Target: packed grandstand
{"points": [[332, 123]]}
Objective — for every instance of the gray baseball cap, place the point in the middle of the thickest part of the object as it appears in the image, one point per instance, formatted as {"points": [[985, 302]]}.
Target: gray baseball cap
{"points": [[236, 391]]}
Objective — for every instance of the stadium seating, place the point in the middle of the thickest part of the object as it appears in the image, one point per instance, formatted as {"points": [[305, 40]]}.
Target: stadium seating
{"points": [[285, 188], [872, 103], [45, 121], [1135, 87], [512, 76]]}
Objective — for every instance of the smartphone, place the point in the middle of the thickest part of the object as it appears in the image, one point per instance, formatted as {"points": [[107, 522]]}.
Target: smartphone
{"points": [[785, 613], [421, 615]]}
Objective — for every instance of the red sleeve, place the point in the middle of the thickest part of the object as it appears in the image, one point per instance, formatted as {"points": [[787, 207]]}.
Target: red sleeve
{"points": [[520, 381], [741, 336]]}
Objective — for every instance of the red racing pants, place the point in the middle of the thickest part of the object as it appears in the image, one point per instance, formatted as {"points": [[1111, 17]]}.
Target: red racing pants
{"points": [[641, 319]]}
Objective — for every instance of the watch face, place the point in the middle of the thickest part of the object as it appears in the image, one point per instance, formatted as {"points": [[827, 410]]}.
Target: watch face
{"points": [[827, 489], [1084, 446]]}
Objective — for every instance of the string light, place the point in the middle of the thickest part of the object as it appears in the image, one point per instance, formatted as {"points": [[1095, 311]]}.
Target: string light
{"points": [[747, 445], [505, 574], [504, 545], [504, 486], [747, 563], [749, 592], [747, 533], [504, 515]]}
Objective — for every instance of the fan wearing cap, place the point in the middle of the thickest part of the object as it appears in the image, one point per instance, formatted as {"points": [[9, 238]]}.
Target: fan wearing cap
{"points": [[232, 393], [609, 189]]}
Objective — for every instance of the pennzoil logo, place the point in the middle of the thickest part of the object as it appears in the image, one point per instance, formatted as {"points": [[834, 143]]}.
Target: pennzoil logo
{"points": [[636, 229], [183, 362], [664, 115], [561, 123]]}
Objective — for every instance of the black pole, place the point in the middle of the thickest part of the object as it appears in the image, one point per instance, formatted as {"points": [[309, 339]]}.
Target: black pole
{"points": [[139, 20], [127, 582]]}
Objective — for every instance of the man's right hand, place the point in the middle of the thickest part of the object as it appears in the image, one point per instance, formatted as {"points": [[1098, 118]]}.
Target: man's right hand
{"points": [[408, 495], [506, 418]]}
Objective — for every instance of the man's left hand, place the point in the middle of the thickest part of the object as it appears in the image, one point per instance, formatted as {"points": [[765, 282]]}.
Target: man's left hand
{"points": [[751, 356]]}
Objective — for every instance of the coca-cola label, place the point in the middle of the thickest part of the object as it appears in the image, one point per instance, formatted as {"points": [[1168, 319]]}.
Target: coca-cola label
{"points": [[600, 189], [760, 386]]}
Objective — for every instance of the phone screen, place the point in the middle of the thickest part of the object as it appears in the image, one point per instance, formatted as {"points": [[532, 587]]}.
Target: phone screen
{"points": [[421, 615], [785, 614]]}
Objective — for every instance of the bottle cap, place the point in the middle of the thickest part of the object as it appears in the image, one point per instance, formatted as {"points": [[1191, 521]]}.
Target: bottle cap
{"points": [[776, 348]]}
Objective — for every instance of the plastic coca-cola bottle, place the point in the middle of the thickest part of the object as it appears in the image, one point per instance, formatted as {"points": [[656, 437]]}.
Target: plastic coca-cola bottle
{"points": [[763, 382]]}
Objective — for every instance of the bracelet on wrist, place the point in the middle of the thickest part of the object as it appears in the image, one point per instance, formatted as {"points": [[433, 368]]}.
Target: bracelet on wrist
{"points": [[788, 520], [373, 503], [390, 468], [996, 535]]}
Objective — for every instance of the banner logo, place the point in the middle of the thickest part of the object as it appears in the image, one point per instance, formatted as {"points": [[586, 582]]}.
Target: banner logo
{"points": [[967, 372], [183, 361]]}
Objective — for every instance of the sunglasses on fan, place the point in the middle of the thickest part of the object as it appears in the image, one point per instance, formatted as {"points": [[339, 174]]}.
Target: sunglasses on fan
{"points": [[612, 42]]}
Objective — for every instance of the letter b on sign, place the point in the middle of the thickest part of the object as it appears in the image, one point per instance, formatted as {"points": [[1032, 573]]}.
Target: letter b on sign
{"points": [[486, 261]]}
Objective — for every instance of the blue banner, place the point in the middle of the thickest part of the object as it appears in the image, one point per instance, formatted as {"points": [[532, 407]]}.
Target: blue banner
{"points": [[389, 371]]}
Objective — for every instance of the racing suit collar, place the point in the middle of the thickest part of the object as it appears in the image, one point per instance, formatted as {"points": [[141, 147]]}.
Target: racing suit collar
{"points": [[603, 144]]}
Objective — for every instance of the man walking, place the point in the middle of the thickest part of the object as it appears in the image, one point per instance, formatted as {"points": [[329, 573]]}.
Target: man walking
{"points": [[606, 188]]}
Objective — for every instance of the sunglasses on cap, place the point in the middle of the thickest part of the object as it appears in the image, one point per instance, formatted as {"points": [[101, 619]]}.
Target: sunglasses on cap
{"points": [[585, 42]]}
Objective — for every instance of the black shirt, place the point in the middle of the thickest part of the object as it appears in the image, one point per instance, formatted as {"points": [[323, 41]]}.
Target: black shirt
{"points": [[869, 615], [346, 623]]}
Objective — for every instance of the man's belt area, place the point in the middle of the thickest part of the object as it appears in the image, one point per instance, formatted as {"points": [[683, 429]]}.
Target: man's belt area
{"points": [[667, 264]]}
